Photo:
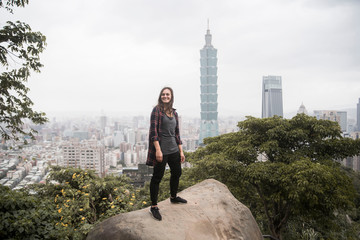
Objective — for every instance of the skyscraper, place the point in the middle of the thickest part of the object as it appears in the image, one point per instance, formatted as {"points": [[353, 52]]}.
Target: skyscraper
{"points": [[208, 69], [358, 117], [272, 103]]}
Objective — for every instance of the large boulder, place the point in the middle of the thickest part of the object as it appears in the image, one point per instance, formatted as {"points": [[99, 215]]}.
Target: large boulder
{"points": [[212, 212]]}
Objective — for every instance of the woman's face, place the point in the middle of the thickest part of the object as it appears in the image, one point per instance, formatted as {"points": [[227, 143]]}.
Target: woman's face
{"points": [[166, 96]]}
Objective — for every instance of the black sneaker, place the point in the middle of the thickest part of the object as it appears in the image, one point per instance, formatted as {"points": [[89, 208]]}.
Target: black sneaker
{"points": [[154, 211], [177, 200]]}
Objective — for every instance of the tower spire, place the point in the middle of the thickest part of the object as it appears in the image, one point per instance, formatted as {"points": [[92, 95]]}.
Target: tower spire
{"points": [[208, 35]]}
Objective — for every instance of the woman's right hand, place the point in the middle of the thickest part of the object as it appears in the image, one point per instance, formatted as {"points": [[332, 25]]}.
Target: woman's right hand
{"points": [[159, 156]]}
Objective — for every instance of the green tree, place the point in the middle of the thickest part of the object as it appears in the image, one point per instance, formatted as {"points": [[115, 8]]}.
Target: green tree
{"points": [[25, 216], [20, 50], [67, 207], [297, 177]]}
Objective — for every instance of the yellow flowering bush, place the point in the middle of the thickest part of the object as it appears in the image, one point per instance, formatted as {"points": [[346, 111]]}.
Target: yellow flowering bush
{"points": [[70, 203], [83, 199]]}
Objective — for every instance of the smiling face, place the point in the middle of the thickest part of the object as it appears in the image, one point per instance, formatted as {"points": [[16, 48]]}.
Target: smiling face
{"points": [[166, 96]]}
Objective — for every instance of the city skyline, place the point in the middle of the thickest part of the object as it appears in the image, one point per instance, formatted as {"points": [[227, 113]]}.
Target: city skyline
{"points": [[116, 56]]}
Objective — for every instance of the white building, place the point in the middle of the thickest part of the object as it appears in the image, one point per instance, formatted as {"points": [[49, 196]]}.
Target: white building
{"points": [[118, 138], [87, 154], [302, 109], [130, 137]]}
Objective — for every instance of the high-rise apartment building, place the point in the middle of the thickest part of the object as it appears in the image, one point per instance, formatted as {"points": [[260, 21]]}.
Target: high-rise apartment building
{"points": [[208, 68], [358, 116], [87, 154], [336, 116], [272, 103], [103, 122]]}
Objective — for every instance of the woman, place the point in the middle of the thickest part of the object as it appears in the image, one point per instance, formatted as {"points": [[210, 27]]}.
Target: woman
{"points": [[164, 147]]}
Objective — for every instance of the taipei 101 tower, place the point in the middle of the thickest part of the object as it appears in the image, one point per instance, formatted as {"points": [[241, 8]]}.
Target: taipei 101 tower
{"points": [[208, 69]]}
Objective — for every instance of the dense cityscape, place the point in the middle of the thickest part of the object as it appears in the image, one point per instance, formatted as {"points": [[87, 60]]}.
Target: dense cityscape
{"points": [[119, 145], [104, 144]]}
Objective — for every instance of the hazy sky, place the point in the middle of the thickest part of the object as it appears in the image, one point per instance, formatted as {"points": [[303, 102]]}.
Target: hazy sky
{"points": [[116, 55]]}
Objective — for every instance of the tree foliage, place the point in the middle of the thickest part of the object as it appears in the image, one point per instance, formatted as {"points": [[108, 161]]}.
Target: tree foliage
{"points": [[296, 176], [10, 4], [23, 216], [67, 206], [20, 50]]}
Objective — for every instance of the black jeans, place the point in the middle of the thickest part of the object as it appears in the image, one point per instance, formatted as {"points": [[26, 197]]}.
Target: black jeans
{"points": [[159, 169]]}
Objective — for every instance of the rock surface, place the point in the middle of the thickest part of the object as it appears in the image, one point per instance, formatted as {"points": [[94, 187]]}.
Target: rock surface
{"points": [[212, 212]]}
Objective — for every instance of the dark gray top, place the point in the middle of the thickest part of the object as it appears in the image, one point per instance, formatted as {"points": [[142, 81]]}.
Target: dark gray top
{"points": [[168, 143]]}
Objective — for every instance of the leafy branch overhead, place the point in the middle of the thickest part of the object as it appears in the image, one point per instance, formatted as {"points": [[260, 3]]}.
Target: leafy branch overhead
{"points": [[20, 50], [11, 3]]}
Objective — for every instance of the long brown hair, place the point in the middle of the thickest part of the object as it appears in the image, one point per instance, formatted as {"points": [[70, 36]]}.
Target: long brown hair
{"points": [[160, 102]]}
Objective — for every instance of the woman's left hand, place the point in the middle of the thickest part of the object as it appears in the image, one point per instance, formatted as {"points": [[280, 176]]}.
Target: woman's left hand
{"points": [[182, 157]]}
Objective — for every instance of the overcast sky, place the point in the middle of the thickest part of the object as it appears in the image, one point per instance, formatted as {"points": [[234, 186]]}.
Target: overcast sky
{"points": [[116, 55]]}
